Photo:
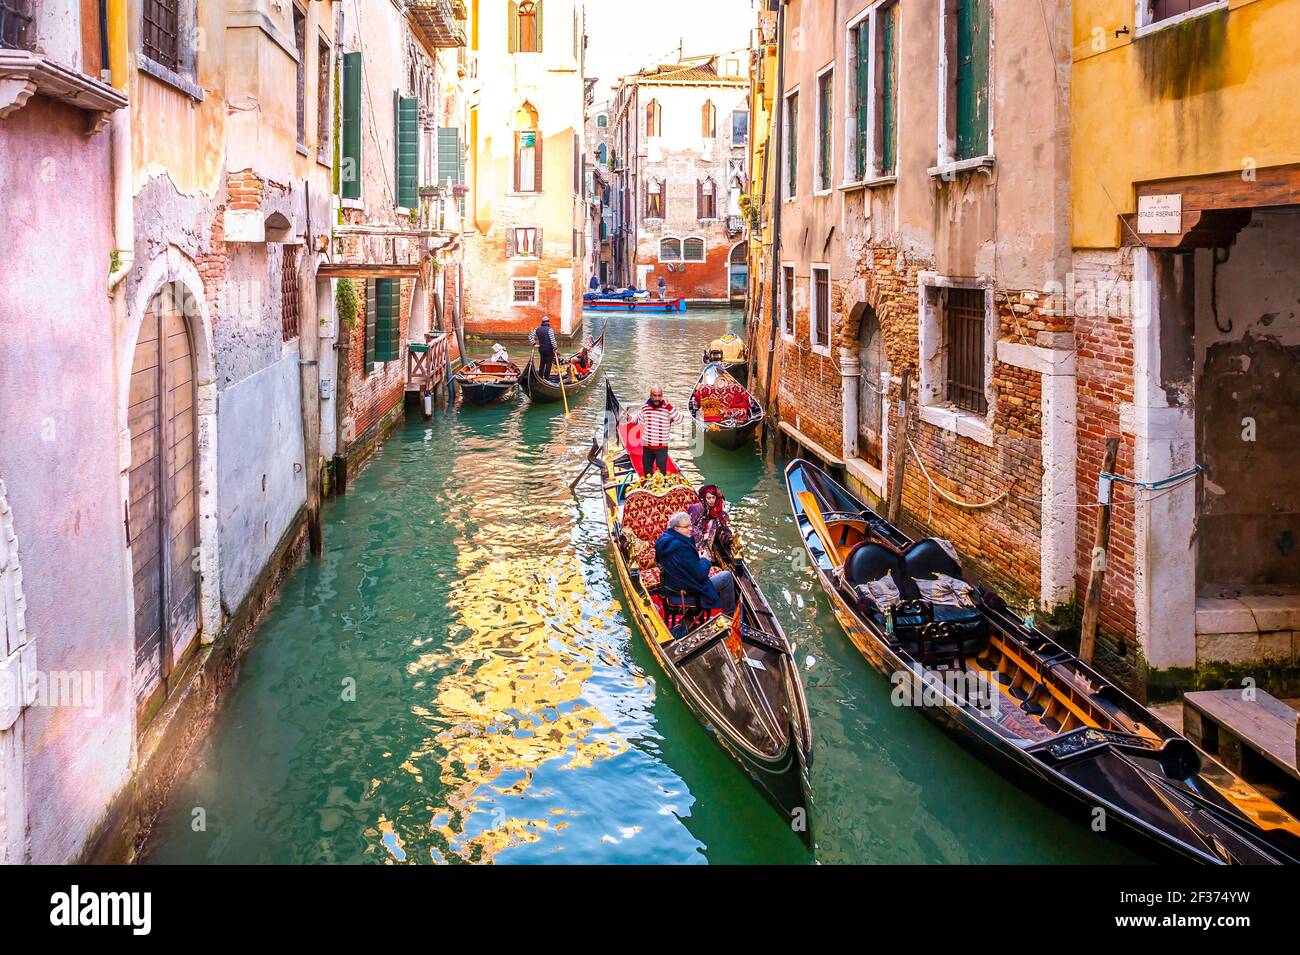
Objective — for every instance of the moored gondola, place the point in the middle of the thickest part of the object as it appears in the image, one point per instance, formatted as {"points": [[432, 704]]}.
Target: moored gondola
{"points": [[730, 351], [728, 414], [1025, 704], [486, 382], [632, 302], [738, 676], [549, 389]]}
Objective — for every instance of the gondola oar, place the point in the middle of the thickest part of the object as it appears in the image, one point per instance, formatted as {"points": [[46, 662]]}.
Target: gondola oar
{"points": [[559, 373]]}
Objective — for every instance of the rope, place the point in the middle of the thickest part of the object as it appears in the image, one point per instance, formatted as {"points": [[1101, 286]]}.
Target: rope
{"points": [[944, 494]]}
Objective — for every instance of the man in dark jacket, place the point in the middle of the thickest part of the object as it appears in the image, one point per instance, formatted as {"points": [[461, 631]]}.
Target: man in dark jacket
{"points": [[681, 567], [544, 339]]}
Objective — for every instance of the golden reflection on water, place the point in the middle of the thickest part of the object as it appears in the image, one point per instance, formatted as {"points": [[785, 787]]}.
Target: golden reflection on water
{"points": [[509, 684]]}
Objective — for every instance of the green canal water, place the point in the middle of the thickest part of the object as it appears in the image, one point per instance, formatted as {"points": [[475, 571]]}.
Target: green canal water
{"points": [[456, 679]]}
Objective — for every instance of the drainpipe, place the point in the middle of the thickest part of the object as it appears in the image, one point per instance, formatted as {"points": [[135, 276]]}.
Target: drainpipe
{"points": [[778, 108], [120, 126]]}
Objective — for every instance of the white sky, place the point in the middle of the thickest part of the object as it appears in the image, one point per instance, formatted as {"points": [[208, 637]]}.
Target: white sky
{"points": [[624, 36]]}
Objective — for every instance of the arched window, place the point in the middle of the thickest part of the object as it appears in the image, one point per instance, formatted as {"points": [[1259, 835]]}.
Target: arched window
{"points": [[693, 250], [706, 199], [654, 118], [670, 250], [708, 120], [526, 26], [602, 154], [528, 150], [602, 121], [654, 199]]}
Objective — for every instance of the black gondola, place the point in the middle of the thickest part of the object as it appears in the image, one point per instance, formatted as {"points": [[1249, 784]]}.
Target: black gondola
{"points": [[730, 351], [728, 414], [487, 382], [548, 389], [745, 691], [1019, 701]]}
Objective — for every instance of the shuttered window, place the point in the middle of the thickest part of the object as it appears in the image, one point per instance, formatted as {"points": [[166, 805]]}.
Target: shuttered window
{"points": [[289, 293], [407, 111], [653, 118], [708, 120], [963, 315], [528, 161], [350, 165], [887, 98], [654, 200], [787, 299], [972, 79], [383, 321], [792, 145], [706, 199], [825, 102], [860, 44], [525, 27]]}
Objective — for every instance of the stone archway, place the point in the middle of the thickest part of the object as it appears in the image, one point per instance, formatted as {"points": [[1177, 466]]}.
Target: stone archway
{"points": [[871, 397]]}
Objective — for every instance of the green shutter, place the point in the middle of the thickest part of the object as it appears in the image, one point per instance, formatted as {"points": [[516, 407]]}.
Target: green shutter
{"points": [[368, 357], [407, 150], [888, 90], [350, 174], [825, 99], [972, 78], [861, 91], [792, 145], [388, 319], [449, 155]]}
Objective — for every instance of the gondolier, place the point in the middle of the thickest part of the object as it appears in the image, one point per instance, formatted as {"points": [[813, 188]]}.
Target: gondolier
{"points": [[656, 419], [543, 339]]}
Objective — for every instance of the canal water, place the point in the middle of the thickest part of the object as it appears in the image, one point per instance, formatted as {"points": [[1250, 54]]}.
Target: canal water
{"points": [[456, 679]]}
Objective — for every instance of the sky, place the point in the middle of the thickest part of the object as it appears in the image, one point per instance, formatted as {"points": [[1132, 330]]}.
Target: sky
{"points": [[624, 36]]}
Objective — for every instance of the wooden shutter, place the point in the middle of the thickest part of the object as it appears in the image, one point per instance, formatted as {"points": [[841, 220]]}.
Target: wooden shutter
{"points": [[449, 155], [862, 90], [388, 319], [407, 151], [512, 26], [518, 169], [510, 243], [368, 358], [972, 78], [888, 89], [350, 175], [699, 198], [537, 144], [537, 7]]}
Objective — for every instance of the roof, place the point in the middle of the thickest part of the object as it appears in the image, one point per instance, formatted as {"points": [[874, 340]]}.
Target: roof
{"points": [[698, 69]]}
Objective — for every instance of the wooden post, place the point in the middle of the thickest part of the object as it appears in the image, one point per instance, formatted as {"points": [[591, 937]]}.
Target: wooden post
{"points": [[900, 452], [1101, 542], [309, 366]]}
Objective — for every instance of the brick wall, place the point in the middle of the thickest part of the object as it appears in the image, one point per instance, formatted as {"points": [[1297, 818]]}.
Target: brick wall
{"points": [[373, 395], [691, 280]]}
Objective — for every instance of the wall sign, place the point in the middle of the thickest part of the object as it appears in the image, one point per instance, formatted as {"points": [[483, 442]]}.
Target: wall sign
{"points": [[1160, 215]]}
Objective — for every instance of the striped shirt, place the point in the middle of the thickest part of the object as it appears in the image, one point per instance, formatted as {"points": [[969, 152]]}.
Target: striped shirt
{"points": [[655, 424], [544, 338]]}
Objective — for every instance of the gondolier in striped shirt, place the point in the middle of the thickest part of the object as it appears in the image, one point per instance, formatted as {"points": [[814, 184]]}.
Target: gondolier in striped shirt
{"points": [[543, 339], [656, 418]]}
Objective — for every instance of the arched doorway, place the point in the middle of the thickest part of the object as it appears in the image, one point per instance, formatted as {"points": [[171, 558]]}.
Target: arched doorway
{"points": [[738, 271], [871, 355], [162, 516]]}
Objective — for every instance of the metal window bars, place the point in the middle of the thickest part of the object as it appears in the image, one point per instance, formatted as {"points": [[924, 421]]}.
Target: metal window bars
{"points": [[963, 312], [161, 29], [15, 23]]}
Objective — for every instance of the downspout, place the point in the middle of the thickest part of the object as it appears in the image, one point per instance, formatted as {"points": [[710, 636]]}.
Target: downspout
{"points": [[778, 108], [120, 126]]}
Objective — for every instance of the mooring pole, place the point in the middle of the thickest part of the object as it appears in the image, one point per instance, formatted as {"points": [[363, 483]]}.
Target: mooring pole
{"points": [[900, 452], [1101, 543]]}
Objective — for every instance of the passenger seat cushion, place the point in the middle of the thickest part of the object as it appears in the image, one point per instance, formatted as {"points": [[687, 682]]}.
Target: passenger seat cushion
{"points": [[925, 558]]}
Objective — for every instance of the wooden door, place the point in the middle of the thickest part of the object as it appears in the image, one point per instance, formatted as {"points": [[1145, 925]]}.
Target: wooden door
{"points": [[871, 358], [161, 514]]}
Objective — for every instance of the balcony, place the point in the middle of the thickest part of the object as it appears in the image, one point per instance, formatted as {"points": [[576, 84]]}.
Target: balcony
{"points": [[440, 23], [735, 225]]}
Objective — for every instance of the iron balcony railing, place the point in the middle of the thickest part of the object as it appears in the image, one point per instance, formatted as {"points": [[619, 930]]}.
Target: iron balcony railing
{"points": [[441, 23]]}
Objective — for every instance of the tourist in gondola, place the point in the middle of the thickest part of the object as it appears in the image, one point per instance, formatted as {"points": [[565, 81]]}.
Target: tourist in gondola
{"points": [[682, 569], [709, 525], [581, 363], [543, 339], [656, 419], [499, 353]]}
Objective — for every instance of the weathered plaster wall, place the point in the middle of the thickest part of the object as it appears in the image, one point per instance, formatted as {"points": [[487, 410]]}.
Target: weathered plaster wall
{"points": [[58, 456]]}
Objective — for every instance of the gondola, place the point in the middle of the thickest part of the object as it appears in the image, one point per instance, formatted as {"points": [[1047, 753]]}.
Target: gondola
{"points": [[729, 350], [1024, 704], [744, 688], [720, 405], [547, 389], [486, 382]]}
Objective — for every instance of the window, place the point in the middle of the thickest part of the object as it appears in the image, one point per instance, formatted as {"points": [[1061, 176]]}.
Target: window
{"points": [[526, 27], [1168, 9], [819, 325], [289, 293], [161, 33], [528, 151], [523, 242], [670, 250], [300, 44], [523, 291], [15, 25], [654, 199], [602, 155], [886, 76], [740, 127], [693, 250], [654, 118], [964, 38], [963, 317], [350, 153], [602, 121], [383, 321], [708, 120], [324, 99], [859, 51], [871, 135], [792, 145], [787, 299], [408, 150], [706, 200], [577, 165], [825, 103]]}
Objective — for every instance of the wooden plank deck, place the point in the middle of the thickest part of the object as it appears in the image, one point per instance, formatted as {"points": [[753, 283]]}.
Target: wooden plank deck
{"points": [[1258, 738]]}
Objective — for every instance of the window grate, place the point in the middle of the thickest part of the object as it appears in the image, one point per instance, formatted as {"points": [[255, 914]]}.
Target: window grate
{"points": [[289, 309], [161, 29], [15, 23], [963, 311], [822, 316], [787, 299]]}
